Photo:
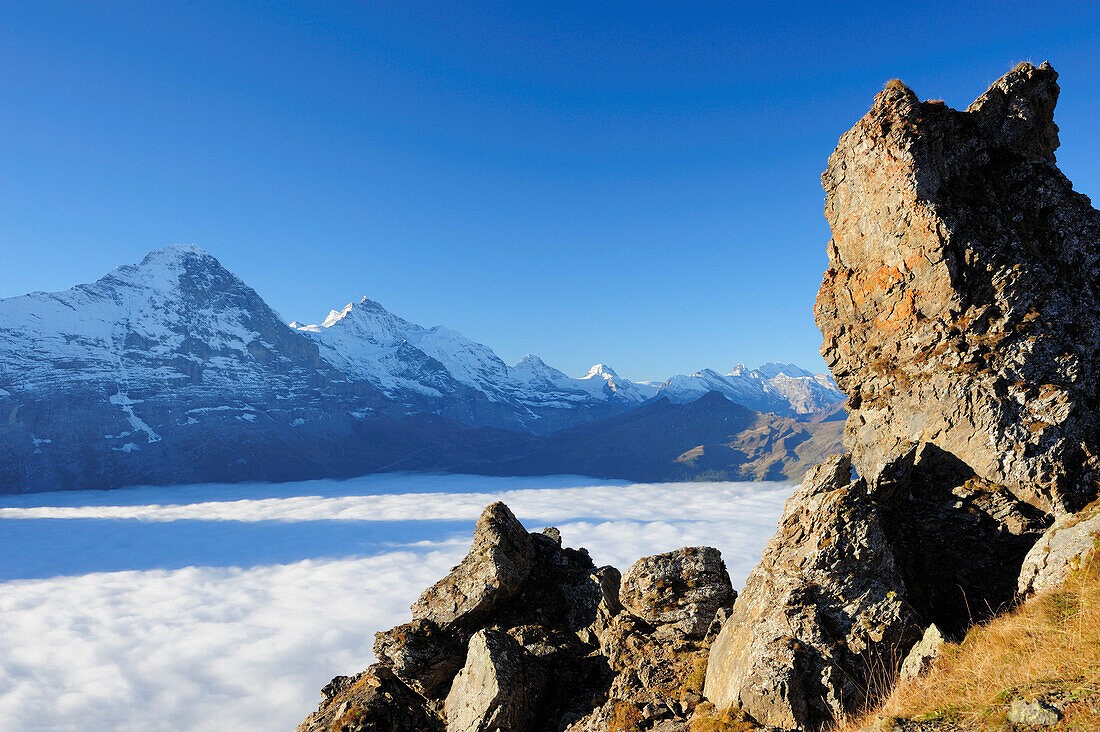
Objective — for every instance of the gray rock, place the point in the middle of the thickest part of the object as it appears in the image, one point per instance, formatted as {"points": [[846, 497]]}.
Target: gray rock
{"points": [[921, 656], [958, 307], [373, 701], [1064, 546], [499, 688], [493, 571], [1037, 713], [682, 589], [827, 604], [421, 654]]}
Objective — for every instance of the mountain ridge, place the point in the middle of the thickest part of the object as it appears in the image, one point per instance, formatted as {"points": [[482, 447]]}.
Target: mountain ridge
{"points": [[173, 370]]}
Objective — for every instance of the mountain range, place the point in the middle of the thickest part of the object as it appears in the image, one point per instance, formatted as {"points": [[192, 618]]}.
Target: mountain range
{"points": [[173, 370]]}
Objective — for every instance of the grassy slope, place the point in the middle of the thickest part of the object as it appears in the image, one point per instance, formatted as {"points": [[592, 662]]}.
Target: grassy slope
{"points": [[1047, 648]]}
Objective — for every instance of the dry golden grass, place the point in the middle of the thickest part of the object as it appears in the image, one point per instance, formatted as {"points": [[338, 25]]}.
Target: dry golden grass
{"points": [[1049, 648], [709, 719]]}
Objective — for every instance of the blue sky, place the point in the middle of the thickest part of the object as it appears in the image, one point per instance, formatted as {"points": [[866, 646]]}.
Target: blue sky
{"points": [[634, 183]]}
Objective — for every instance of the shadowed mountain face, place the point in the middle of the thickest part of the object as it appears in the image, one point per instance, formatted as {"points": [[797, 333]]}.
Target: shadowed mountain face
{"points": [[173, 370], [708, 439]]}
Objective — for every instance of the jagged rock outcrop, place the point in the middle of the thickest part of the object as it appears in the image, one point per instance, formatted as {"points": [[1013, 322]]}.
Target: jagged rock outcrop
{"points": [[525, 634], [925, 317], [820, 615], [493, 571], [657, 647], [959, 304], [958, 315]]}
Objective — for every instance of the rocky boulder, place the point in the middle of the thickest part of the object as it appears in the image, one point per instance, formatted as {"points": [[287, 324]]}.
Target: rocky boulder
{"points": [[821, 616], [1068, 544], [499, 688], [680, 590], [921, 656], [493, 571], [959, 304]]}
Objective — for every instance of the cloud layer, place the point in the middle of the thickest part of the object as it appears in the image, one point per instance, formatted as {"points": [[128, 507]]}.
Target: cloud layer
{"points": [[286, 591]]}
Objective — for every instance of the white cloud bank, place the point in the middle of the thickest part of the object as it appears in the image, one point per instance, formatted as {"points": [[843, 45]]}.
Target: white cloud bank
{"points": [[220, 647]]}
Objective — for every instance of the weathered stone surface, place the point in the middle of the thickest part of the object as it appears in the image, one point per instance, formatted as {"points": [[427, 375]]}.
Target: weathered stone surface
{"points": [[824, 611], [373, 701], [421, 654], [1069, 542], [923, 655], [497, 564], [682, 589], [959, 304], [1035, 713], [499, 688]]}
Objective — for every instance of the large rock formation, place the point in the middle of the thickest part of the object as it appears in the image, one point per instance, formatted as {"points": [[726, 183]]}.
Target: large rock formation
{"points": [[527, 635], [959, 304], [959, 315], [818, 614]]}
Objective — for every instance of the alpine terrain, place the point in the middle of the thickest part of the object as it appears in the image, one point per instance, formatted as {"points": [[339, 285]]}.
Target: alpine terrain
{"points": [[173, 370]]}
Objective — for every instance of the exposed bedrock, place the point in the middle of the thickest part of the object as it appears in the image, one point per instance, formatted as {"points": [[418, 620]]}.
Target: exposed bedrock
{"points": [[856, 572], [525, 634], [959, 307], [959, 316]]}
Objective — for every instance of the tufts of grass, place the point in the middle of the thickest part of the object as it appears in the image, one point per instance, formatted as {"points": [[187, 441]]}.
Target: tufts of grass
{"points": [[1048, 647], [709, 719], [625, 717]]}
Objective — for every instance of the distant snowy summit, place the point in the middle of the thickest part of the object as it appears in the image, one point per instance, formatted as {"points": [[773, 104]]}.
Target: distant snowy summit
{"points": [[416, 365], [174, 370], [420, 366], [780, 388]]}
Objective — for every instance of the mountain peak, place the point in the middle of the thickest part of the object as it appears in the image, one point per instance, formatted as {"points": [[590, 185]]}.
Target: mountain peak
{"points": [[335, 316], [368, 317], [602, 371], [175, 254]]}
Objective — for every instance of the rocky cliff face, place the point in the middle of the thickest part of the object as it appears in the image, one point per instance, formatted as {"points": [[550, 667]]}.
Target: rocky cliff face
{"points": [[959, 304], [958, 314]]}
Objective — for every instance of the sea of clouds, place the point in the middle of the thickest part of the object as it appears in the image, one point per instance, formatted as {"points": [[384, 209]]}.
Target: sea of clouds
{"points": [[221, 607]]}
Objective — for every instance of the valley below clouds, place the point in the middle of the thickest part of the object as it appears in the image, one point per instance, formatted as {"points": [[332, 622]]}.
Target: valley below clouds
{"points": [[219, 607]]}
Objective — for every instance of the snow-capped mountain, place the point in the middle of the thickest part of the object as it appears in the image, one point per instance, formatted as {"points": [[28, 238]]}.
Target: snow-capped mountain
{"points": [[781, 388], [439, 370], [173, 370], [163, 369]]}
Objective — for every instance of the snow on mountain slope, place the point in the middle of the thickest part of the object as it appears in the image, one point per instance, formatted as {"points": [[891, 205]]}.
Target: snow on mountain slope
{"points": [[409, 362], [773, 387], [169, 369], [176, 317]]}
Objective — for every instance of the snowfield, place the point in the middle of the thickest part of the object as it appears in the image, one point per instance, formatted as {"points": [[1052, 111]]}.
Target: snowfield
{"points": [[220, 607]]}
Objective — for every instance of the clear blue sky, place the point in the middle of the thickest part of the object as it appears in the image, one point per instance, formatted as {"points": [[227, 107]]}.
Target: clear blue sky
{"points": [[635, 183]]}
